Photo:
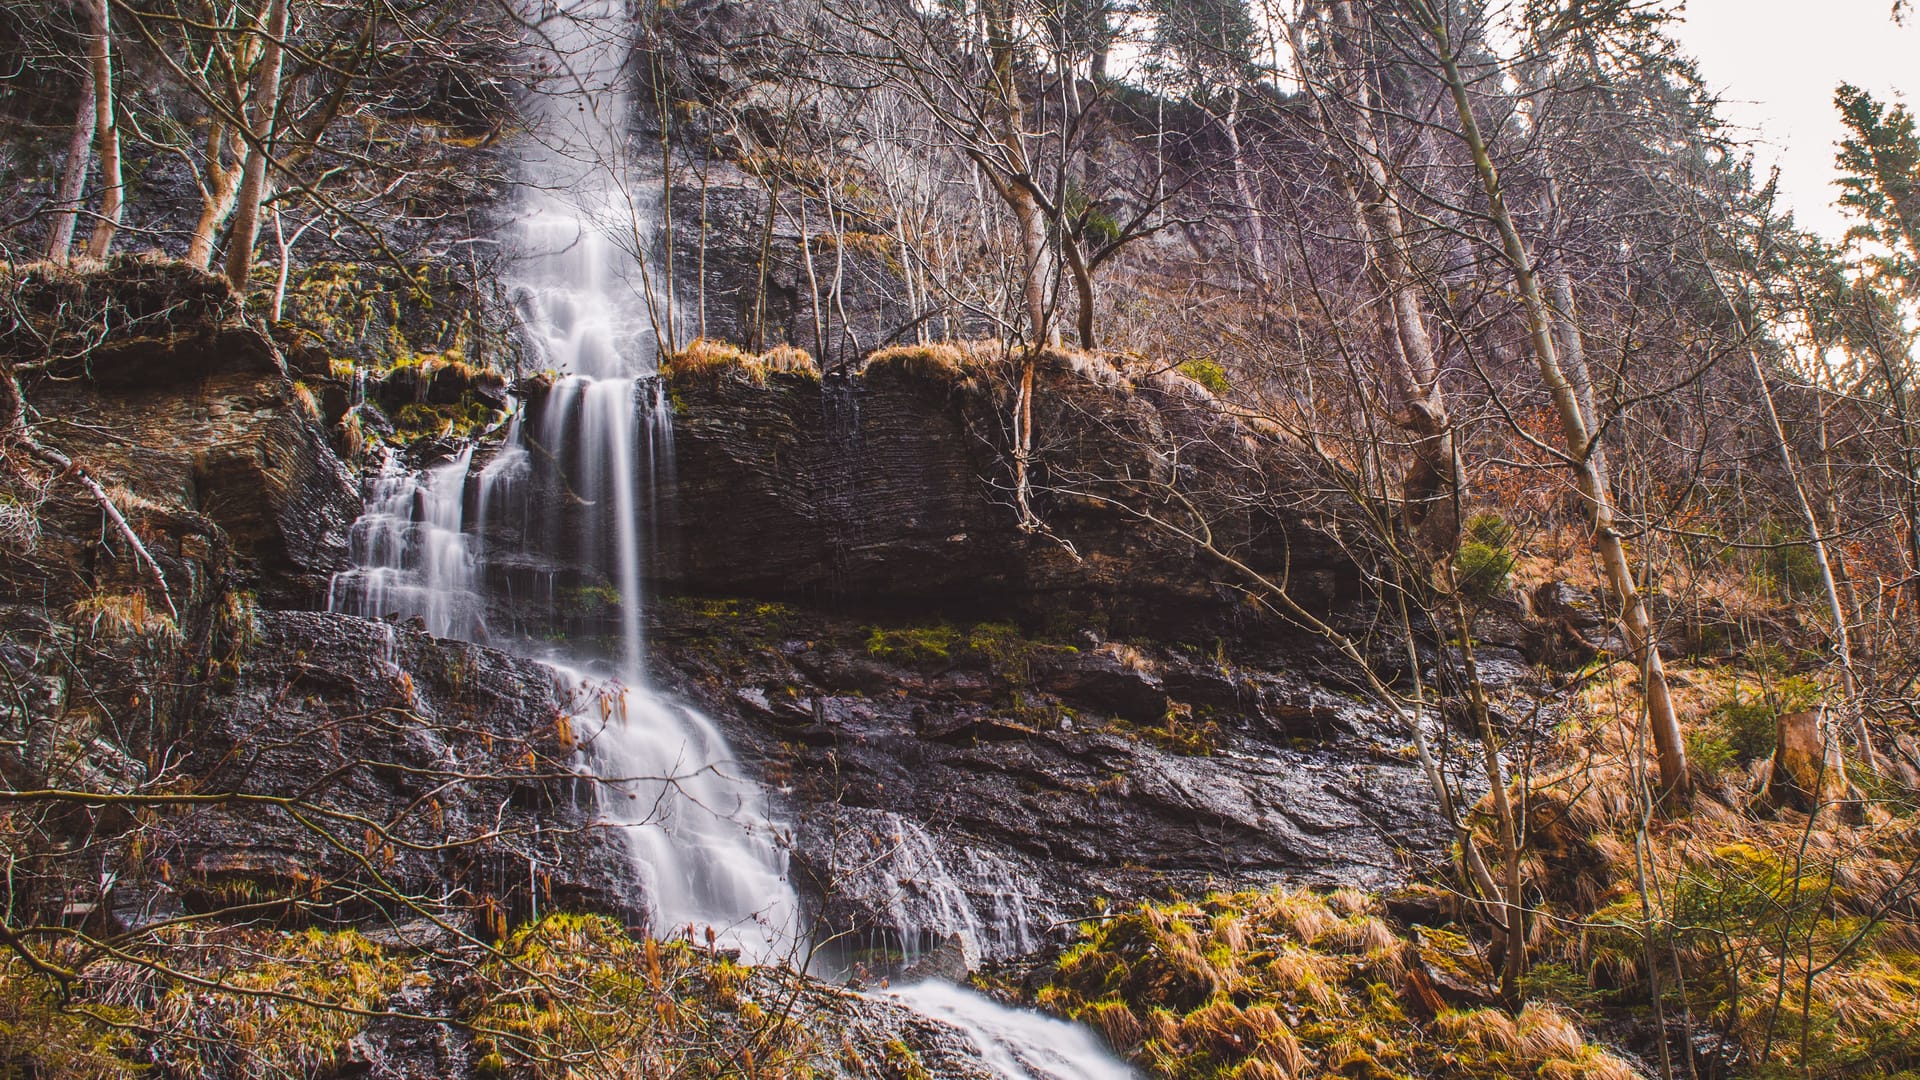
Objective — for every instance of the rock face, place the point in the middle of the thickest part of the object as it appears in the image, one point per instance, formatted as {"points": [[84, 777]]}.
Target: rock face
{"points": [[986, 790], [891, 489], [331, 767], [175, 398], [456, 756]]}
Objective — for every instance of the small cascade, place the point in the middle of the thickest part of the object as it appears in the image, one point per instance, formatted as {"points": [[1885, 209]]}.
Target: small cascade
{"points": [[928, 899], [410, 553], [1019, 1044], [699, 832], [594, 429]]}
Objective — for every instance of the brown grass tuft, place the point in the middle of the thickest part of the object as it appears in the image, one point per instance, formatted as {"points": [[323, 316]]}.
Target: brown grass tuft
{"points": [[789, 359]]}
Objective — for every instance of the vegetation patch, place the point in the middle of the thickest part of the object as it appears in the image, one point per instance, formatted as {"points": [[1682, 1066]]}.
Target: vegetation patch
{"points": [[575, 995], [1208, 373], [378, 317], [1484, 564], [707, 361], [1288, 983], [999, 647]]}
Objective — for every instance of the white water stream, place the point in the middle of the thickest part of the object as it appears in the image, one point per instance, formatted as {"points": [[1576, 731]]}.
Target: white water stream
{"points": [[596, 312]]}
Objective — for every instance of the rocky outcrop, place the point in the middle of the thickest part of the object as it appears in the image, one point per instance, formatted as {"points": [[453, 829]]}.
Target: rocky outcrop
{"points": [[150, 376], [891, 489], [316, 765], [377, 769], [972, 781]]}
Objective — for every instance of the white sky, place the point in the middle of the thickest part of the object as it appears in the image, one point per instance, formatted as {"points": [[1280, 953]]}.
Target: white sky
{"points": [[1776, 63]]}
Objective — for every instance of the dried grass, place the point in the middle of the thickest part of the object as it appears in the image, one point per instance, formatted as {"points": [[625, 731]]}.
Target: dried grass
{"points": [[124, 617]]}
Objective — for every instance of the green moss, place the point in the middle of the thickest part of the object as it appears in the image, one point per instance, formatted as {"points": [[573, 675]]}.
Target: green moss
{"points": [[576, 995], [592, 598], [1208, 373], [1291, 983], [999, 647], [378, 316], [462, 419], [44, 1033], [913, 644], [902, 1063]]}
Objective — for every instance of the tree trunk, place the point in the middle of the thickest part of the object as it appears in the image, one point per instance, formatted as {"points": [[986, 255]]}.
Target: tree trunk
{"points": [[1255, 229], [1432, 486], [253, 176], [106, 131], [221, 188], [1842, 640], [1010, 123], [73, 179], [1589, 472], [1083, 290]]}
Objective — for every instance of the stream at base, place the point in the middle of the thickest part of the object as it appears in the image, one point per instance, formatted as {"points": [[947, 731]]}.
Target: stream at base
{"points": [[704, 843], [1019, 1044]]}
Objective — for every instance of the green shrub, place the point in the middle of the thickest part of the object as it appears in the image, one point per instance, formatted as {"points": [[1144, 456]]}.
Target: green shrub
{"points": [[1710, 751], [1788, 567], [1489, 528], [1485, 560], [1747, 723]]}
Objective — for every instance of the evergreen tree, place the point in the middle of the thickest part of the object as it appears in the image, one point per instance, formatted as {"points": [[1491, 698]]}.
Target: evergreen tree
{"points": [[1880, 183]]}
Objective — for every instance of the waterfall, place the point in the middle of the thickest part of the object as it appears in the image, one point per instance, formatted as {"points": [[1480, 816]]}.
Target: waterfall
{"points": [[596, 311], [410, 554]]}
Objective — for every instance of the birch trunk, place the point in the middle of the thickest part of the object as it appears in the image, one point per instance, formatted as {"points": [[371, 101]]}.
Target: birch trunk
{"points": [[106, 134], [1590, 473], [264, 119], [73, 180], [1431, 487], [220, 191]]}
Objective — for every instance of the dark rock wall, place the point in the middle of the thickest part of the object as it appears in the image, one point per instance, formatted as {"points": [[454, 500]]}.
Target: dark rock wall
{"points": [[332, 767], [890, 490]]}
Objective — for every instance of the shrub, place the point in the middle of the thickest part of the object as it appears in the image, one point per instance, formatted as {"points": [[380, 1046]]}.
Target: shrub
{"points": [[1747, 723], [574, 996], [1485, 560], [1788, 566], [1489, 528], [938, 362]]}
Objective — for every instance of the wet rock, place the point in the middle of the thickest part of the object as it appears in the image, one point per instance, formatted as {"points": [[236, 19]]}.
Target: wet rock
{"points": [[1112, 681], [456, 750], [1090, 808], [225, 461], [442, 384], [136, 322], [946, 961], [887, 489]]}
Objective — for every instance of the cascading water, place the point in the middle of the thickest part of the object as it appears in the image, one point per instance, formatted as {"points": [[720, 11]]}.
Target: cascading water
{"points": [[596, 314], [1016, 1043], [410, 554]]}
